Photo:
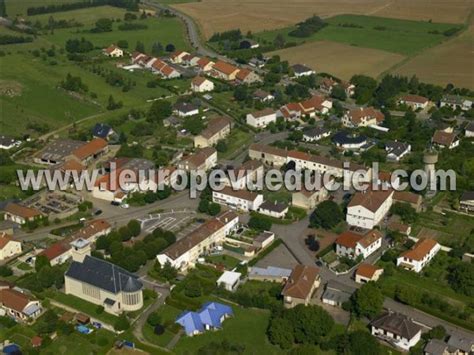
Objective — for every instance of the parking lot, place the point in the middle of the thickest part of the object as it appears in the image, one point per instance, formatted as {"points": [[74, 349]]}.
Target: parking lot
{"points": [[179, 222]]}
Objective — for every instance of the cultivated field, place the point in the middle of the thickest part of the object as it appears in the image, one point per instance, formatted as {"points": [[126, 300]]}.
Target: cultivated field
{"points": [[339, 59], [216, 15], [451, 62]]}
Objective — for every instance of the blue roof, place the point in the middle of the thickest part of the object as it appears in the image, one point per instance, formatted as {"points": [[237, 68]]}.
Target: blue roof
{"points": [[101, 130], [210, 314]]}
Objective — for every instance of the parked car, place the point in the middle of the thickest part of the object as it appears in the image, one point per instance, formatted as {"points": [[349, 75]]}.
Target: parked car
{"points": [[115, 203]]}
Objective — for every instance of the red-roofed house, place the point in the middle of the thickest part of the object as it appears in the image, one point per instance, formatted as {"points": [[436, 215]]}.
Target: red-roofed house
{"points": [[57, 253], [246, 76], [18, 306], [90, 150], [205, 64], [362, 117], [93, 230], [419, 256], [224, 71], [367, 208], [20, 214], [8, 246], [351, 244], [113, 51], [300, 286], [201, 84], [367, 272], [414, 101], [177, 57]]}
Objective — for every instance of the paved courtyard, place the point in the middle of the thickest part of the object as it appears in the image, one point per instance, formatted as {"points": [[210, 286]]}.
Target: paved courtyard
{"points": [[173, 221], [280, 257]]}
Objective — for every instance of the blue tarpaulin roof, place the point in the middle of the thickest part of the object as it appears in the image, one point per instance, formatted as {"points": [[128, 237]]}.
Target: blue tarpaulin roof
{"points": [[210, 315]]}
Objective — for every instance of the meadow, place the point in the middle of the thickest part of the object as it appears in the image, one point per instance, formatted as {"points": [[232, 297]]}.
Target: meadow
{"points": [[392, 35]]}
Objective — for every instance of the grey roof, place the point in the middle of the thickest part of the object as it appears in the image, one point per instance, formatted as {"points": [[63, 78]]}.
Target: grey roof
{"points": [[277, 207], [185, 107], [315, 131], [347, 138], [336, 285], [104, 275], [458, 342], [396, 148], [59, 149], [435, 347], [300, 68], [7, 140], [270, 271], [337, 296], [467, 196], [101, 130], [396, 323]]}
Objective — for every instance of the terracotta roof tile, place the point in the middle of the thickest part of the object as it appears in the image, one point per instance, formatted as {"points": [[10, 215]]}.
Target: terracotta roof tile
{"points": [[367, 270], [21, 211], [95, 146], [301, 281], [420, 249]]}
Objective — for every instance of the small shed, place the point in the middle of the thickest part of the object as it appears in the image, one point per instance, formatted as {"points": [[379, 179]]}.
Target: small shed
{"points": [[230, 280]]}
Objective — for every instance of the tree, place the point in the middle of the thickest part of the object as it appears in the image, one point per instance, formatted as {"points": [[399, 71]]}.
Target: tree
{"points": [[438, 332], [122, 323], [241, 93], [3, 9], [170, 47], [193, 288], [279, 41], [406, 212], [112, 104], [159, 110], [103, 25], [461, 278], [157, 49], [41, 262], [368, 300], [260, 223], [154, 319], [5, 271], [122, 44], [168, 272], [280, 332], [339, 93], [134, 227], [327, 215], [361, 342], [140, 47], [310, 323]]}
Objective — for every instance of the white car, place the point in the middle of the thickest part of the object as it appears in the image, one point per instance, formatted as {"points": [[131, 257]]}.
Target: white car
{"points": [[125, 205]]}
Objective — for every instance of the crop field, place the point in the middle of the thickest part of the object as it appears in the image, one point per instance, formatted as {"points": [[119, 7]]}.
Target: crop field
{"points": [[392, 35], [340, 59], [217, 16], [450, 62]]}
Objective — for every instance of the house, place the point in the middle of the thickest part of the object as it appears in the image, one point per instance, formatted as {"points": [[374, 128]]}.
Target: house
{"points": [[57, 151], [300, 286], [18, 305], [217, 129], [57, 253], [414, 200], [455, 102], [397, 150], [191, 60], [317, 104], [368, 208], [262, 118], [348, 88], [90, 151], [300, 70], [184, 253], [396, 329], [201, 84], [209, 317], [21, 214], [367, 272], [248, 77], [102, 283], [265, 96], [102, 130], [269, 273], [273, 209], [395, 226], [257, 63], [469, 131], [177, 56], [113, 51], [308, 199], [443, 139], [315, 134], [203, 159], [419, 255], [7, 142], [8, 247], [352, 245], [224, 70], [205, 64], [159, 67], [244, 176], [263, 240], [327, 84], [336, 293], [229, 280], [414, 101], [350, 141], [460, 345], [93, 230], [243, 200], [138, 58], [362, 117], [185, 109], [466, 202]]}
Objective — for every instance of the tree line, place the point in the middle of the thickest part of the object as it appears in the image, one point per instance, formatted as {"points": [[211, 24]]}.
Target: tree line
{"points": [[131, 5]]}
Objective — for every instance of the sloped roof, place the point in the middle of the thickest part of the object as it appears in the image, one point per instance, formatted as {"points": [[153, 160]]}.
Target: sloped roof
{"points": [[415, 98], [55, 250], [444, 138], [367, 270], [101, 130], [215, 126], [242, 194], [90, 148], [265, 112], [104, 275], [356, 115], [398, 324], [224, 67], [301, 281], [421, 248], [407, 196], [5, 239], [13, 299], [22, 211], [210, 315], [370, 199], [92, 228]]}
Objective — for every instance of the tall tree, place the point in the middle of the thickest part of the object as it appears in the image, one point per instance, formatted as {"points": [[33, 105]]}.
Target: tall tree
{"points": [[368, 300]]}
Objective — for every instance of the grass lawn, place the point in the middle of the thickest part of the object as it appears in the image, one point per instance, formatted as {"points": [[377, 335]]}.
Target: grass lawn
{"points": [[98, 342], [82, 306], [24, 266], [392, 35], [168, 316], [236, 140], [18, 7], [247, 327], [86, 16], [228, 261]]}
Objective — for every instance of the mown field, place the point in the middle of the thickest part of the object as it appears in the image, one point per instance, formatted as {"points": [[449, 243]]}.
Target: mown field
{"points": [[19, 7], [217, 16], [392, 35], [30, 84], [340, 59]]}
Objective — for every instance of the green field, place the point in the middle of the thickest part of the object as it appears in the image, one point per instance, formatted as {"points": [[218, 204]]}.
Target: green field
{"points": [[392, 35], [18, 7]]}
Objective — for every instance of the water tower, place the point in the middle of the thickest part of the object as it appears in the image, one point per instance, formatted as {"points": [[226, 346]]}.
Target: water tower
{"points": [[430, 158]]}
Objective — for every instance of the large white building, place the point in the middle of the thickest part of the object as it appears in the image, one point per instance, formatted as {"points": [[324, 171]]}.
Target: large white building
{"points": [[184, 253], [243, 200], [353, 245], [367, 208], [419, 256], [262, 118], [102, 283]]}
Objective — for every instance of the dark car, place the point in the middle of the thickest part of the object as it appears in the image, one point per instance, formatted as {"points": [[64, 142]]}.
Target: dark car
{"points": [[115, 203], [97, 212]]}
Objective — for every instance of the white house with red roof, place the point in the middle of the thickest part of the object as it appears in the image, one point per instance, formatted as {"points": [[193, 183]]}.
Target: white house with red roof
{"points": [[362, 117], [419, 255], [177, 57], [225, 71], [57, 253], [8, 247], [352, 245], [317, 104], [205, 64], [367, 272], [368, 208], [414, 101], [113, 51], [17, 305], [201, 84]]}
